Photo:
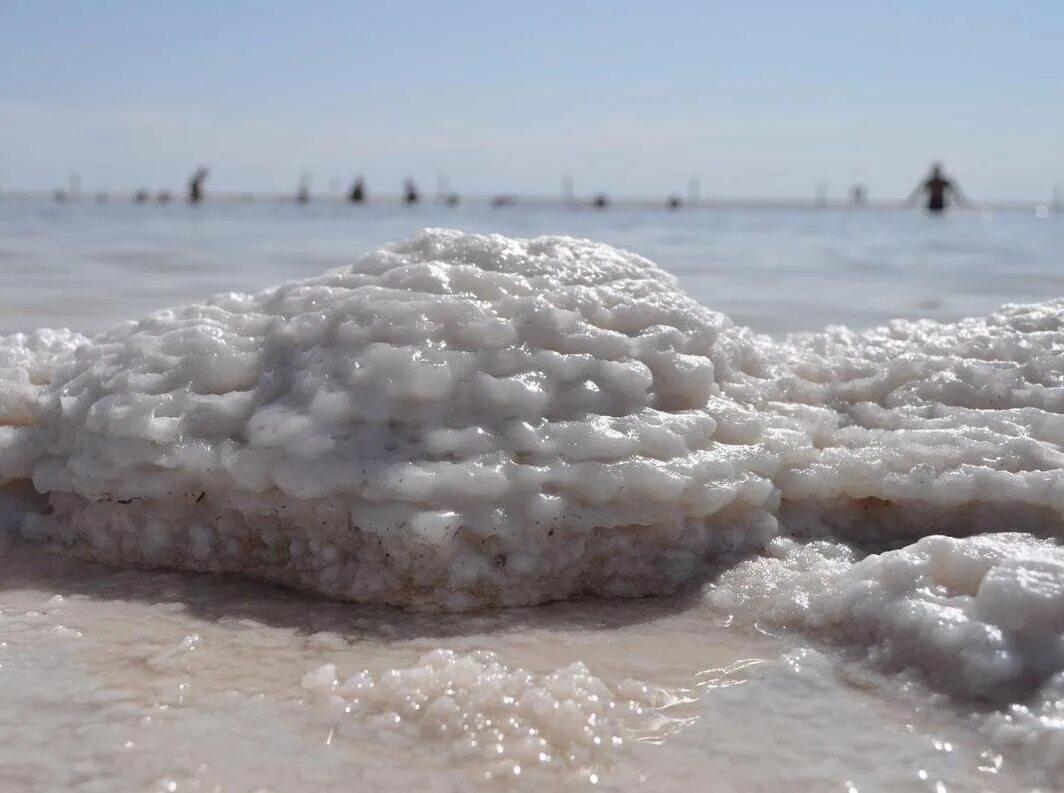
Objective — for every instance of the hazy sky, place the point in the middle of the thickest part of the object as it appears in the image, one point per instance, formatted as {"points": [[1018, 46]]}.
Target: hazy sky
{"points": [[756, 98]]}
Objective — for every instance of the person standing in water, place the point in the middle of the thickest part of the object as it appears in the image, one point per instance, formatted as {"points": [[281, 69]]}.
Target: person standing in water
{"points": [[357, 194], [410, 193], [939, 190], [195, 185], [303, 193]]}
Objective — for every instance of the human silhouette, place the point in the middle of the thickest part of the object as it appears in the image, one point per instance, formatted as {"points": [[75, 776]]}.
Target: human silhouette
{"points": [[410, 193], [858, 195], [358, 191], [939, 190], [303, 193], [195, 185]]}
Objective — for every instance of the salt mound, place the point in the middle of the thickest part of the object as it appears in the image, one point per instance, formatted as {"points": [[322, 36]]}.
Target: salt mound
{"points": [[462, 420], [455, 420]]}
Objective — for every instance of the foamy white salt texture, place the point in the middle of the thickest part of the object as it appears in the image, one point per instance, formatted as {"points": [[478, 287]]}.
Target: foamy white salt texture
{"points": [[981, 619], [502, 720], [460, 420], [27, 361], [455, 420]]}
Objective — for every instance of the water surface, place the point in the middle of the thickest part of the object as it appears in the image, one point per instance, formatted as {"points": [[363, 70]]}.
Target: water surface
{"points": [[87, 266]]}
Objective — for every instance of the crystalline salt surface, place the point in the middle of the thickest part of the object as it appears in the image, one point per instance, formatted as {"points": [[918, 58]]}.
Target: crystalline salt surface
{"points": [[460, 420]]}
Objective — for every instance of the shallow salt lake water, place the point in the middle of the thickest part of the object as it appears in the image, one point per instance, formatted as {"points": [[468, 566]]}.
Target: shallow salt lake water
{"points": [[127, 680], [87, 266]]}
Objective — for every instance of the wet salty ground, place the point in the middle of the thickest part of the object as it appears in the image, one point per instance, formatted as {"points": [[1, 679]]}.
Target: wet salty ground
{"points": [[147, 680]]}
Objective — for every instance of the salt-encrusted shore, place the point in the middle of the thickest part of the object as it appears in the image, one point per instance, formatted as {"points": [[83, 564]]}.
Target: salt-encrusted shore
{"points": [[463, 420], [459, 421]]}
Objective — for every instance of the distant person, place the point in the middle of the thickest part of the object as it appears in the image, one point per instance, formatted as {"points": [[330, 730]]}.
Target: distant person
{"points": [[939, 190], [674, 202], [303, 193], [358, 192], [410, 193], [858, 196], [195, 185], [601, 201]]}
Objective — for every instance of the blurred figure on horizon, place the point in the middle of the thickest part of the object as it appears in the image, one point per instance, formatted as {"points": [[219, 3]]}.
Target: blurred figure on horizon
{"points": [[601, 201], [858, 195], [410, 193], [141, 197], [303, 193], [358, 191], [939, 190], [195, 185]]}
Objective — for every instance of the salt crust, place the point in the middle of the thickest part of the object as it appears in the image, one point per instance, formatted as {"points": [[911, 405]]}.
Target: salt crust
{"points": [[462, 420], [501, 719], [979, 618]]}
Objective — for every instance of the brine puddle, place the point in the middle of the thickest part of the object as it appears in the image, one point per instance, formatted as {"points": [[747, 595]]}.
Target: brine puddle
{"points": [[116, 679]]}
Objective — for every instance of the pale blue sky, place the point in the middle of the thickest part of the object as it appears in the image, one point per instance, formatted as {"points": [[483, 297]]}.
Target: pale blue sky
{"points": [[756, 98]]}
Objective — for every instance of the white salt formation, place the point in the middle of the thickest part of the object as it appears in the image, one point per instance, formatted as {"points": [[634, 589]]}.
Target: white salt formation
{"points": [[980, 618], [26, 364], [454, 421], [503, 720], [917, 427], [463, 420]]}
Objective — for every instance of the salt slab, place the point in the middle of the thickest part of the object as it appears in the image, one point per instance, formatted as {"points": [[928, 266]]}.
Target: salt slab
{"points": [[463, 420]]}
